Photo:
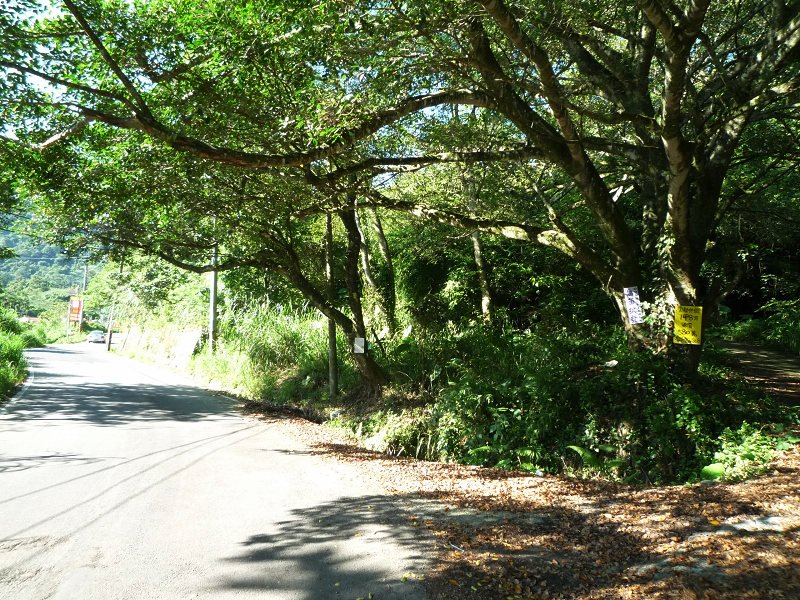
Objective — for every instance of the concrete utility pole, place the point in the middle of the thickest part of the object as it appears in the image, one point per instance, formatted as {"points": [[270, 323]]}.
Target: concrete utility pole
{"points": [[212, 309], [110, 326], [110, 329]]}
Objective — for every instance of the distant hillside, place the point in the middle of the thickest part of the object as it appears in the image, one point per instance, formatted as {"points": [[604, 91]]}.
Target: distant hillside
{"points": [[39, 276]]}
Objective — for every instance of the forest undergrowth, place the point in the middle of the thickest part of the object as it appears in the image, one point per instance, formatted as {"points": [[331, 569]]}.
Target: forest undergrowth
{"points": [[574, 401]]}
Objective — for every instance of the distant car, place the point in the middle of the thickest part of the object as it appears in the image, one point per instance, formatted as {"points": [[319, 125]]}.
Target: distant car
{"points": [[96, 337]]}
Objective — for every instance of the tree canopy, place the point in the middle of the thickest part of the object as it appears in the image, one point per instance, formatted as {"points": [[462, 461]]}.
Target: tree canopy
{"points": [[626, 137]]}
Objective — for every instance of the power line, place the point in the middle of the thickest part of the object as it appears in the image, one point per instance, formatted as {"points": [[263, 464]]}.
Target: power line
{"points": [[67, 261]]}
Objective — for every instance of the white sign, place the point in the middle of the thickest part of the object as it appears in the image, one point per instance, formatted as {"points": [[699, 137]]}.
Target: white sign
{"points": [[358, 346], [633, 305]]}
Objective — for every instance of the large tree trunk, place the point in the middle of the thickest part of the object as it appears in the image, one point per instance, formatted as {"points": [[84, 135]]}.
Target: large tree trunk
{"points": [[353, 281], [333, 361], [370, 370], [351, 275], [385, 298]]}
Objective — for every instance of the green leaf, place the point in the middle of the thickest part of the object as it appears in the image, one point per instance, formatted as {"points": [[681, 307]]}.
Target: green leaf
{"points": [[713, 471], [588, 458], [480, 450]]}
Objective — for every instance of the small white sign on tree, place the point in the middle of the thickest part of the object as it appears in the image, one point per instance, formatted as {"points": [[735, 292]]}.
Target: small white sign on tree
{"points": [[358, 346], [633, 306]]}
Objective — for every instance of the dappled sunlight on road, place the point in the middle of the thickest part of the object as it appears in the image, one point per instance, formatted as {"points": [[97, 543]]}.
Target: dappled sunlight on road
{"points": [[120, 476], [95, 391], [339, 548]]}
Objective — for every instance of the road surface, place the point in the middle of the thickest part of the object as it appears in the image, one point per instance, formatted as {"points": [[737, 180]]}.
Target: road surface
{"points": [[119, 480]]}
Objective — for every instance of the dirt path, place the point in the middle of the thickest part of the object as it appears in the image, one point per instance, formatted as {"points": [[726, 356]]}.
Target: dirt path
{"points": [[776, 372], [509, 535]]}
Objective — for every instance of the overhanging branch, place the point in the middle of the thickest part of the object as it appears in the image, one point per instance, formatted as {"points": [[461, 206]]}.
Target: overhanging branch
{"points": [[54, 139], [251, 160], [404, 163], [112, 64]]}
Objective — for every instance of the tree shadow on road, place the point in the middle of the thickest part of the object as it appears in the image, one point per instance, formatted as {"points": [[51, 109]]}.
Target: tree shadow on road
{"points": [[12, 464], [590, 539], [348, 548], [101, 404], [338, 549]]}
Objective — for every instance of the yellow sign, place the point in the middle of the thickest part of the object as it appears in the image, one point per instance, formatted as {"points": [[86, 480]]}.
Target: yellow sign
{"points": [[688, 324]]}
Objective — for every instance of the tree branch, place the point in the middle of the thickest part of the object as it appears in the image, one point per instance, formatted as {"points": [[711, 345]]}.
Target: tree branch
{"points": [[252, 160], [511, 28], [559, 237], [408, 163], [565, 149], [98, 43], [164, 76], [54, 139], [66, 83], [656, 14]]}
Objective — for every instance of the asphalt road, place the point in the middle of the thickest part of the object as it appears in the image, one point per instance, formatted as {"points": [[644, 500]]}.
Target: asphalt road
{"points": [[120, 480]]}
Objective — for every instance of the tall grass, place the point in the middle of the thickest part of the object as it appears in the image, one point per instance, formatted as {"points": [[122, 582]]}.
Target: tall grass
{"points": [[12, 362], [273, 353], [9, 322], [14, 338]]}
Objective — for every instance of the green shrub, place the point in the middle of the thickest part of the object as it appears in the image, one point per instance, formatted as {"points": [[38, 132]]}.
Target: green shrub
{"points": [[496, 399], [11, 347], [783, 324], [555, 401], [408, 432], [744, 330], [34, 337], [12, 363], [779, 326], [9, 321], [742, 453]]}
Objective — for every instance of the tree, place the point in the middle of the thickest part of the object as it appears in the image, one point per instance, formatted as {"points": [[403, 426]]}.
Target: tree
{"points": [[180, 213], [633, 116]]}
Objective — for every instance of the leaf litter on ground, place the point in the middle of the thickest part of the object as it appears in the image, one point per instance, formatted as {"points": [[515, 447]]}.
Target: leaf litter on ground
{"points": [[506, 534]]}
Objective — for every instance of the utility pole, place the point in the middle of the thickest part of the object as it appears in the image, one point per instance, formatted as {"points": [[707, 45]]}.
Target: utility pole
{"points": [[110, 326], [212, 309], [110, 329]]}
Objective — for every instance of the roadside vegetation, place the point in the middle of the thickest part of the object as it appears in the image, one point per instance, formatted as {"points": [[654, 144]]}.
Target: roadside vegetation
{"points": [[15, 337], [776, 324], [563, 394], [508, 206]]}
